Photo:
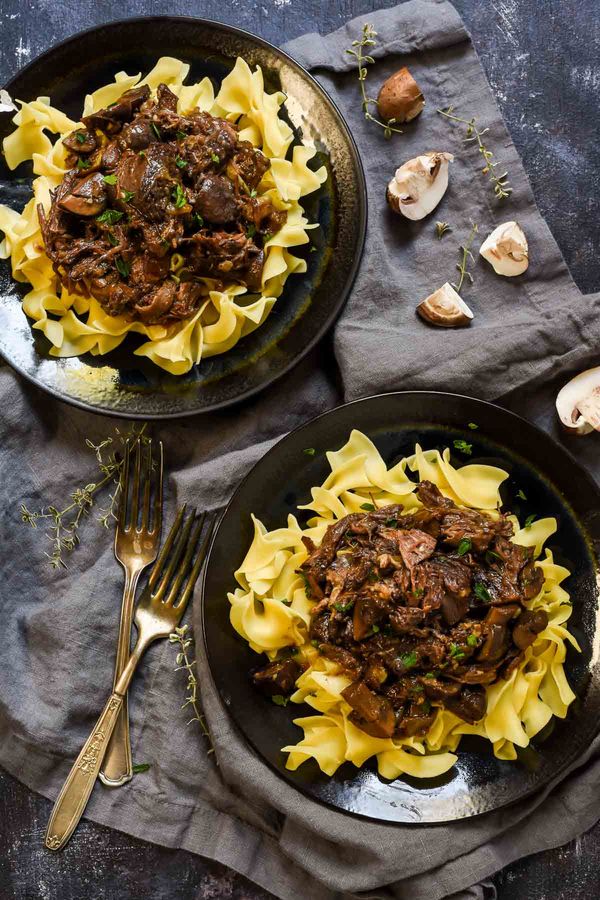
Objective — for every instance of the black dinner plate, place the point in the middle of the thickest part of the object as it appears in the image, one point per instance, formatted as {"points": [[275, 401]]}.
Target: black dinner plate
{"points": [[120, 383], [554, 484]]}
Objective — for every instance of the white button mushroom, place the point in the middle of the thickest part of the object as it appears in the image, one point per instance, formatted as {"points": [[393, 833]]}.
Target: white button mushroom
{"points": [[445, 308], [419, 185], [506, 249], [578, 402]]}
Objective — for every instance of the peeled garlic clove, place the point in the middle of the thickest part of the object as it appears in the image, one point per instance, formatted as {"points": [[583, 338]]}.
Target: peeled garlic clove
{"points": [[400, 97], [445, 308], [578, 402], [506, 249], [419, 185]]}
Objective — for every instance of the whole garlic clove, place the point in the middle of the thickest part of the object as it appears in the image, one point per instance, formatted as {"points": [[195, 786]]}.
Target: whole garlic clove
{"points": [[507, 250], [419, 184], [578, 402], [400, 97], [445, 308]]}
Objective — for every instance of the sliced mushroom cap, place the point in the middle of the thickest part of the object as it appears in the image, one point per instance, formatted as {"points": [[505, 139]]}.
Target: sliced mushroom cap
{"points": [[506, 249], [88, 197], [400, 97], [578, 402], [419, 184], [445, 308]]}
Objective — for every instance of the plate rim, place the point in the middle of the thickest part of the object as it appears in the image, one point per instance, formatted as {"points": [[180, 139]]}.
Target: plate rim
{"points": [[556, 775], [330, 320]]}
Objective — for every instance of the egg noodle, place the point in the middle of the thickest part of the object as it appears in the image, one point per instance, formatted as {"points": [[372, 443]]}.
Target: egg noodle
{"points": [[271, 611], [75, 324]]}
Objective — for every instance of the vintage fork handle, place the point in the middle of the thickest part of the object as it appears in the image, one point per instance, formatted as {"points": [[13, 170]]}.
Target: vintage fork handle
{"points": [[117, 768], [76, 790]]}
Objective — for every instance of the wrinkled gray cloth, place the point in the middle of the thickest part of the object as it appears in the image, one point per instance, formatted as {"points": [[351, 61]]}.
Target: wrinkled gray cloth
{"points": [[60, 627]]}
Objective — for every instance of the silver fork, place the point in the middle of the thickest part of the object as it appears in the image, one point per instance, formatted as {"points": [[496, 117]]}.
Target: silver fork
{"points": [[159, 611], [136, 547]]}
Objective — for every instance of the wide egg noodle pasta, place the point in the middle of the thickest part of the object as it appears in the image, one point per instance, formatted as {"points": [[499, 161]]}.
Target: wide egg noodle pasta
{"points": [[77, 325], [271, 610]]}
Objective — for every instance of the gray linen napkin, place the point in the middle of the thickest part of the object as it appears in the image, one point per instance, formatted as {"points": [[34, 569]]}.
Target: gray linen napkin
{"points": [[60, 627]]}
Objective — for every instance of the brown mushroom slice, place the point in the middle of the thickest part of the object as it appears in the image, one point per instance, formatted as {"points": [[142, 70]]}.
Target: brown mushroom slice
{"points": [[470, 705], [278, 677], [578, 402], [122, 110], [445, 308], [400, 97], [529, 624], [370, 712], [81, 141], [87, 198]]}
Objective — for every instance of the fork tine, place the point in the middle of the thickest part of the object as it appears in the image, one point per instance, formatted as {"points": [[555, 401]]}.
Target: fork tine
{"points": [[145, 526], [175, 557], [124, 488], [187, 559], [157, 512], [135, 492], [164, 553], [189, 588]]}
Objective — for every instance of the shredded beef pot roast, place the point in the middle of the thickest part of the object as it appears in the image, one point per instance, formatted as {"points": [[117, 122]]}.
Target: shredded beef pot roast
{"points": [[418, 609], [154, 201]]}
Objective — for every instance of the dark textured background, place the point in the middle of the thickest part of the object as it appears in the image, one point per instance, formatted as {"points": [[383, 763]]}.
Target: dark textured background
{"points": [[541, 57]]}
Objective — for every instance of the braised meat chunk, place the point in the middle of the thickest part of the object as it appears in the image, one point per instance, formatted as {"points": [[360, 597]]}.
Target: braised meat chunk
{"points": [[154, 202]]}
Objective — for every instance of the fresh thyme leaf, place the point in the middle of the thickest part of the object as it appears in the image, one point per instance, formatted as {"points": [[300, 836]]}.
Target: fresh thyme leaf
{"points": [[309, 451], [521, 495], [126, 196], [183, 640], [251, 230], [465, 251], [368, 40], [472, 426], [280, 700], [109, 179], [441, 228], [464, 546], [481, 592], [112, 239], [463, 446], [123, 267], [180, 135], [156, 130], [502, 188], [472, 640], [178, 196], [83, 163], [199, 220], [138, 768], [530, 520], [110, 217], [215, 158], [369, 507], [408, 660], [80, 137], [180, 163]]}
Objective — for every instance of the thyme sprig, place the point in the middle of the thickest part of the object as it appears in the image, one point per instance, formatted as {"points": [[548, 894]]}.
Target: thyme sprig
{"points": [[184, 641], [368, 40], [441, 228], [502, 188], [466, 254], [64, 524]]}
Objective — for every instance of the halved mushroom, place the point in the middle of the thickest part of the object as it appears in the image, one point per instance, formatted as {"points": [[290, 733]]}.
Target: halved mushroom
{"points": [[506, 249], [400, 97], [578, 402], [445, 308], [419, 184]]}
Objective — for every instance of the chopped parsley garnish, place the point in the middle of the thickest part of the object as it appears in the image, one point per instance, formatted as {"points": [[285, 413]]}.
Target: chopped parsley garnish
{"points": [[140, 767], [375, 629], [418, 592], [180, 135], [253, 192], [369, 507], [464, 546], [251, 231], [429, 675], [110, 105], [178, 196], [122, 267], [309, 451], [491, 556], [198, 220], [481, 592], [463, 446], [426, 706], [472, 640], [109, 179], [126, 196], [156, 130], [456, 652], [473, 426], [521, 495], [391, 523], [112, 239], [408, 660], [215, 158], [314, 642], [110, 217], [80, 137], [344, 607], [267, 236], [83, 163], [280, 700], [180, 163], [529, 520]]}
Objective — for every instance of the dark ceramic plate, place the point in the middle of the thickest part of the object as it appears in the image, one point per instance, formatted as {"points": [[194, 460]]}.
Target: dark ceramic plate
{"points": [[554, 485], [120, 383]]}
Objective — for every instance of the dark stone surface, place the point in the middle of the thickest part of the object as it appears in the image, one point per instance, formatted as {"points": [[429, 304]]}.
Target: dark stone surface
{"points": [[541, 59]]}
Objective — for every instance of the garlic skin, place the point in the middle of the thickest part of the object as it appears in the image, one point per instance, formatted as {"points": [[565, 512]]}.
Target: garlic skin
{"points": [[400, 97], [445, 308], [419, 184], [578, 403], [507, 250]]}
